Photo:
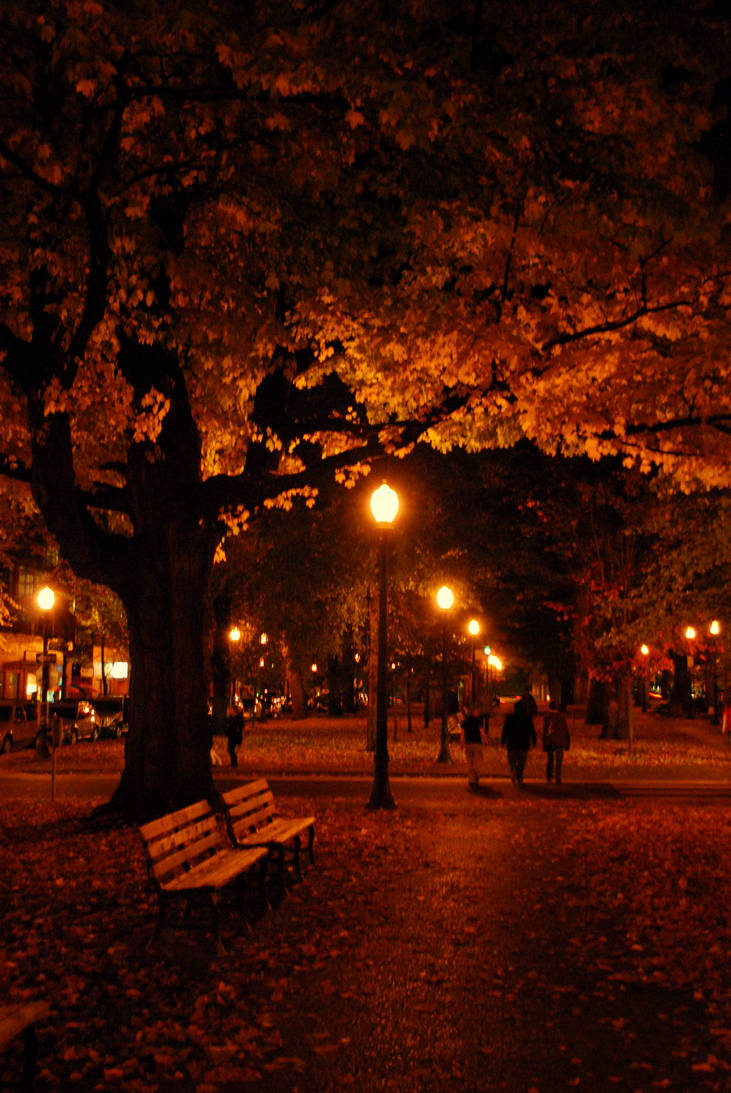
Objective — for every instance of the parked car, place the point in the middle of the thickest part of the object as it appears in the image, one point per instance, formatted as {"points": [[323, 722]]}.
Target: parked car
{"points": [[111, 714], [18, 726], [78, 719]]}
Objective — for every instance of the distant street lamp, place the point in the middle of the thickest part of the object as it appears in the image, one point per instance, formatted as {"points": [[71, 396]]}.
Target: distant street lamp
{"points": [[473, 628], [445, 599], [645, 652], [384, 506], [45, 599], [714, 630], [234, 634], [494, 665]]}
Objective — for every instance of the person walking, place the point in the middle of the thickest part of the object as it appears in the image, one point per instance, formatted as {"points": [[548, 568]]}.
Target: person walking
{"points": [[473, 738], [556, 740], [519, 736], [235, 734]]}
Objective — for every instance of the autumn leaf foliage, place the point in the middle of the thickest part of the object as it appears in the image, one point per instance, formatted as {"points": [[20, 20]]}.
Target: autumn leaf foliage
{"points": [[246, 248]]}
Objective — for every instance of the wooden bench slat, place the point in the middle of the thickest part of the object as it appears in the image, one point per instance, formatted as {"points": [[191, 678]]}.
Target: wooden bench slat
{"points": [[15, 1017], [216, 872], [253, 822], [178, 819], [187, 851], [279, 830]]}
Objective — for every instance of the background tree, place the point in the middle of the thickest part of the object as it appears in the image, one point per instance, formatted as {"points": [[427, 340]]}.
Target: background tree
{"points": [[245, 248]]}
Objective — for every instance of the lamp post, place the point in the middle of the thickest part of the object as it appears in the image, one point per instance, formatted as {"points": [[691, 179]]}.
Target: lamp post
{"points": [[45, 599], [445, 599], [645, 651], [473, 628], [714, 629], [384, 506], [495, 666], [259, 687], [234, 637]]}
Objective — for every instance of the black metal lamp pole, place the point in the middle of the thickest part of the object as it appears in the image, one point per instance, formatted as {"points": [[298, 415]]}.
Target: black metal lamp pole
{"points": [[714, 630], [445, 599], [384, 504], [474, 629], [381, 796]]}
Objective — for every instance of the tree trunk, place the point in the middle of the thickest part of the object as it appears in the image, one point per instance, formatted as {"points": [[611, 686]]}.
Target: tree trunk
{"points": [[681, 696], [623, 724], [103, 666], [597, 702], [297, 692], [168, 747], [221, 664], [409, 727]]}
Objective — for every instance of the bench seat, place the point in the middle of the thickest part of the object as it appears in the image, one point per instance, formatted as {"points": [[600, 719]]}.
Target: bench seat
{"points": [[189, 854], [19, 1018], [253, 822]]}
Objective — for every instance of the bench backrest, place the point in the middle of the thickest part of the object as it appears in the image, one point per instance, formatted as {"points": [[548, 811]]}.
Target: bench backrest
{"points": [[181, 839], [250, 807]]}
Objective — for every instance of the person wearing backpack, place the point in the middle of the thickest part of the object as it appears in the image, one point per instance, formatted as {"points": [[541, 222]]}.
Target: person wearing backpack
{"points": [[556, 740]]}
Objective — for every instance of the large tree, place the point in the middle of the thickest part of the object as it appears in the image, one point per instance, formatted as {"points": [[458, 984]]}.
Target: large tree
{"points": [[247, 246]]}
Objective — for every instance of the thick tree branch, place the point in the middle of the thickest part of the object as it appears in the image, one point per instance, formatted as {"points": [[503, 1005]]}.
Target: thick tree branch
{"points": [[613, 324]]}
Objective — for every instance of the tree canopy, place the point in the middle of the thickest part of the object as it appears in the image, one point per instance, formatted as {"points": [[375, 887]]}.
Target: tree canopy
{"points": [[246, 247]]}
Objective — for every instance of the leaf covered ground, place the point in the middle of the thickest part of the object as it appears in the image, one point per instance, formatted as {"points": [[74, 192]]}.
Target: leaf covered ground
{"points": [[501, 942], [512, 940], [662, 747]]}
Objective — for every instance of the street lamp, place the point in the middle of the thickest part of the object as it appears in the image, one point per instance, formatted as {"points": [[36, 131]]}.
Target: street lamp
{"points": [[45, 599], [445, 599], [473, 628], [384, 506], [645, 651], [714, 629]]}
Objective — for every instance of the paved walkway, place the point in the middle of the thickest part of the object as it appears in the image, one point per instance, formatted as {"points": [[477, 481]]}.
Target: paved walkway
{"points": [[488, 964]]}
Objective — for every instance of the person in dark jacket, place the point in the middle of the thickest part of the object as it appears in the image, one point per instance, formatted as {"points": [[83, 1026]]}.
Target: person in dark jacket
{"points": [[473, 738], [235, 734], [556, 740], [519, 736]]}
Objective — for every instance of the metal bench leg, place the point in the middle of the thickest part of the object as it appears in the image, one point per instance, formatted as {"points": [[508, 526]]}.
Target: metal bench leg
{"points": [[277, 850], [30, 1058], [216, 922], [296, 856], [161, 919]]}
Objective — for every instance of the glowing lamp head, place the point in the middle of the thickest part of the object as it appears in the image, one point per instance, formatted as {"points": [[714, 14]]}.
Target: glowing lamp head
{"points": [[234, 633], [715, 628], [445, 597], [690, 633], [384, 505], [473, 627], [644, 649], [46, 598]]}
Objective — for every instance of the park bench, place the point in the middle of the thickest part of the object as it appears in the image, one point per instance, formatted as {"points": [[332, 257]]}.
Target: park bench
{"points": [[253, 822], [189, 856], [17, 1019]]}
